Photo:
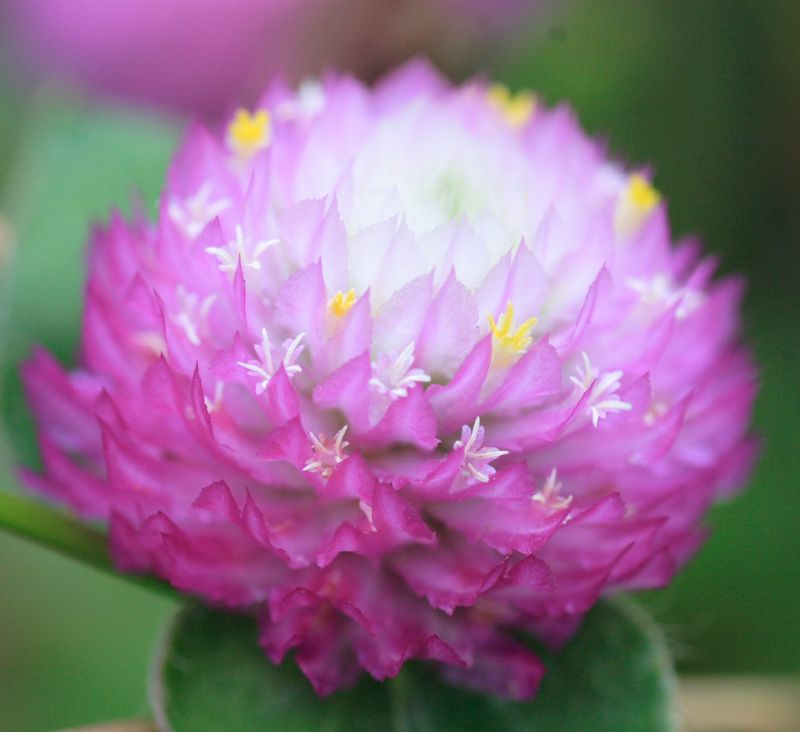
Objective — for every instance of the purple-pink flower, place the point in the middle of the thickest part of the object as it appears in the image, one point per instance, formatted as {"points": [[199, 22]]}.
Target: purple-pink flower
{"points": [[202, 56], [403, 371]]}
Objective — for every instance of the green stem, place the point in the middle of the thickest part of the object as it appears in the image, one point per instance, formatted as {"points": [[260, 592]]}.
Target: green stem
{"points": [[399, 693], [37, 522], [54, 529]]}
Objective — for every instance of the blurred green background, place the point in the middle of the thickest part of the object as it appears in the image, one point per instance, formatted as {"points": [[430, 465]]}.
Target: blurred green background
{"points": [[706, 91]]}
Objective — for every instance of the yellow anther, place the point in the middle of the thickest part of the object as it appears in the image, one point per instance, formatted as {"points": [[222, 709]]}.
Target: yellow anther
{"points": [[635, 204], [512, 340], [342, 302], [517, 108], [249, 133], [641, 192]]}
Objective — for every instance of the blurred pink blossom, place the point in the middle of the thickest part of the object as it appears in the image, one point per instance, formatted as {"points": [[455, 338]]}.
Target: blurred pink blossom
{"points": [[203, 56]]}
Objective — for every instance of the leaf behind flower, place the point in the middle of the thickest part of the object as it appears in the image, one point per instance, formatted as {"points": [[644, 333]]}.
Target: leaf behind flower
{"points": [[210, 674]]}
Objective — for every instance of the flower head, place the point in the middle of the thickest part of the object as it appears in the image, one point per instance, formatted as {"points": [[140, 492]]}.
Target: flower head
{"points": [[539, 402]]}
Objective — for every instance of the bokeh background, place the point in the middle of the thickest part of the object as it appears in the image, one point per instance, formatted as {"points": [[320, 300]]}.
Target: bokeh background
{"points": [[706, 91]]}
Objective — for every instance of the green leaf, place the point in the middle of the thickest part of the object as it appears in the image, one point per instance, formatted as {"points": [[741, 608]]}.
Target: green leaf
{"points": [[210, 674]]}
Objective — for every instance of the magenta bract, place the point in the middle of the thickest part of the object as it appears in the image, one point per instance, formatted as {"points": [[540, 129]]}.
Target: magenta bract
{"points": [[403, 371]]}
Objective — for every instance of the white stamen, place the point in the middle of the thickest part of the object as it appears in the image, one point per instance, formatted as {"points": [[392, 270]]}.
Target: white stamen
{"points": [[660, 290], [657, 410], [366, 509], [193, 214], [237, 250], [189, 316], [393, 378], [549, 495], [603, 398], [151, 342], [215, 404], [265, 368], [309, 100], [327, 454], [476, 467], [212, 405]]}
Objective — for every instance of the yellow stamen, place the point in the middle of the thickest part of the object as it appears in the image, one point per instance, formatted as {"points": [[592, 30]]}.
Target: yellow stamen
{"points": [[512, 341], [517, 108], [641, 193], [249, 133], [636, 203], [342, 302]]}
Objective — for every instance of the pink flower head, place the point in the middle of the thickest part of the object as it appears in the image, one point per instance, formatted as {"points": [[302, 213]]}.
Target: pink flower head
{"points": [[405, 371], [202, 56]]}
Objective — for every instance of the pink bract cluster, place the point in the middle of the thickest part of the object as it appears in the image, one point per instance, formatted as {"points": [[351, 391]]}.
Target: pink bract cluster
{"points": [[404, 371]]}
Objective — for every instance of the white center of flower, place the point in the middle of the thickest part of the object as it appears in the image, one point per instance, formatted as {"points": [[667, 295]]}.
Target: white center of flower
{"points": [[447, 174]]}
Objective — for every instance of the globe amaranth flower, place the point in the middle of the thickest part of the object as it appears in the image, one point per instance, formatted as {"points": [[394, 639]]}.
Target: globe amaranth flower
{"points": [[404, 371], [147, 50]]}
